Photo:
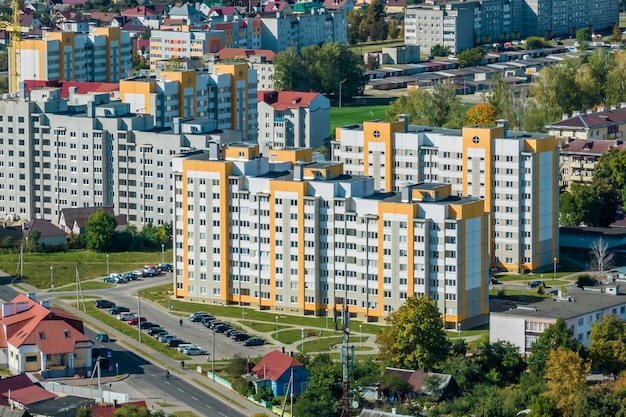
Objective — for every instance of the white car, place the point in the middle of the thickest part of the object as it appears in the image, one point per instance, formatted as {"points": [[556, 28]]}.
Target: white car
{"points": [[184, 346], [126, 316], [194, 351]]}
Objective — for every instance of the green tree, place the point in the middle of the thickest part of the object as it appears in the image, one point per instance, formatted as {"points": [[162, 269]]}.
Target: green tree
{"points": [[439, 50], [502, 360], [394, 29], [611, 167], [583, 35], [616, 79], [395, 386], [592, 204], [535, 42], [607, 348], [617, 34], [465, 370], [414, 337], [438, 107], [289, 73], [556, 335], [83, 412], [565, 375], [375, 23], [510, 103], [470, 57], [32, 241], [99, 231], [355, 18], [132, 411], [321, 398]]}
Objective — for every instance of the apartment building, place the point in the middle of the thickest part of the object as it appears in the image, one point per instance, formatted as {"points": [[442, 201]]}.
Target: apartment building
{"points": [[261, 60], [306, 238], [282, 31], [183, 43], [225, 92], [578, 159], [292, 118], [102, 55], [88, 151], [515, 173]]}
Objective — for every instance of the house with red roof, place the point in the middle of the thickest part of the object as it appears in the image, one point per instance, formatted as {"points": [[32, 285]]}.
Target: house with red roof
{"points": [[149, 15], [292, 119], [109, 410], [345, 5], [280, 372], [21, 391], [578, 158], [35, 337], [282, 7]]}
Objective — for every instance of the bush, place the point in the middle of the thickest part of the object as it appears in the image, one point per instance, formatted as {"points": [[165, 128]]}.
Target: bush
{"points": [[237, 366], [241, 386], [265, 394], [586, 280]]}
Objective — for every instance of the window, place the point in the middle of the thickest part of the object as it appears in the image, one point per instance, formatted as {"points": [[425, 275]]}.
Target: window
{"points": [[42, 336], [67, 334]]}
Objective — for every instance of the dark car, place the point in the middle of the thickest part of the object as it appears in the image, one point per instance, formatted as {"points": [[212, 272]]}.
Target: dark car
{"points": [[536, 284], [118, 309], [214, 323], [221, 328], [154, 331], [166, 267], [240, 337], [104, 304], [254, 341], [198, 313], [129, 276], [175, 342], [199, 317], [148, 325]]}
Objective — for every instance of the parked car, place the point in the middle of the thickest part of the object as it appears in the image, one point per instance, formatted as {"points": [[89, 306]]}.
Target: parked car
{"points": [[129, 276], [201, 317], [151, 270], [152, 331], [102, 337], [125, 316], [138, 273], [164, 338], [214, 323], [111, 279], [208, 320], [194, 351], [493, 280], [104, 304], [118, 309], [184, 346], [221, 328], [147, 325], [166, 267], [175, 342], [536, 284], [198, 313], [240, 337], [254, 341], [135, 320]]}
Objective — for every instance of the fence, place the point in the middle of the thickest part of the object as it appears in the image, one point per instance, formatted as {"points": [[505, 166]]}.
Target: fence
{"points": [[102, 395]]}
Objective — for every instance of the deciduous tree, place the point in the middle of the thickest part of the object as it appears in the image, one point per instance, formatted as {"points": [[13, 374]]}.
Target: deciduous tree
{"points": [[535, 42], [482, 114], [439, 50], [607, 348], [99, 231], [611, 167], [414, 337], [438, 107], [565, 375], [592, 204], [602, 258], [556, 335], [470, 57]]}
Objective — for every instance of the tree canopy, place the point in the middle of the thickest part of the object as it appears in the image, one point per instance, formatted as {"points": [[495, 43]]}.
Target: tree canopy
{"points": [[437, 107], [320, 69], [592, 204], [565, 373], [607, 348], [439, 50], [556, 335], [414, 337], [482, 114], [470, 57], [99, 231]]}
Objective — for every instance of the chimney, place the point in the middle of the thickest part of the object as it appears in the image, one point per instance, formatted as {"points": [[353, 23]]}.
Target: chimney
{"points": [[177, 125], [298, 171], [405, 119], [601, 108], [291, 353], [564, 116], [589, 111], [406, 192], [22, 90], [504, 124], [214, 151], [283, 349], [72, 91], [622, 105]]}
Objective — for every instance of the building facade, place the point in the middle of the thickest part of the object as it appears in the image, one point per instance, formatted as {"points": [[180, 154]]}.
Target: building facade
{"points": [[103, 55], [188, 43], [89, 152], [578, 158], [291, 118], [254, 231], [515, 173]]}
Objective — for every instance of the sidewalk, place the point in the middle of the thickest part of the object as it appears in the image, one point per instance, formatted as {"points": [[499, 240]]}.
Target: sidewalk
{"points": [[214, 389]]}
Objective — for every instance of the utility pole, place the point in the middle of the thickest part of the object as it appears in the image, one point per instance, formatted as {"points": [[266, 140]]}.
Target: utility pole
{"points": [[139, 314], [345, 353]]}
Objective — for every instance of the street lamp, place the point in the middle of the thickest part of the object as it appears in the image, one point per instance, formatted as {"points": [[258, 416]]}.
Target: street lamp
{"points": [[302, 335], [458, 326], [276, 335], [51, 278], [107, 264], [554, 268], [169, 300], [360, 337], [340, 83], [162, 253]]}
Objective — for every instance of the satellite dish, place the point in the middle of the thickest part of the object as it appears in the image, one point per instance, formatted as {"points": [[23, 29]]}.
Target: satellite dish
{"points": [[355, 404]]}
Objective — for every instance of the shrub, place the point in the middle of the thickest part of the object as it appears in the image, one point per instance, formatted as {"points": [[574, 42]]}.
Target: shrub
{"points": [[241, 386]]}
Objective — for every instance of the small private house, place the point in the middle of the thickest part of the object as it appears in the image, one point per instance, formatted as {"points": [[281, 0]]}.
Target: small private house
{"points": [[37, 338], [20, 391], [73, 220], [49, 234], [275, 370], [446, 385]]}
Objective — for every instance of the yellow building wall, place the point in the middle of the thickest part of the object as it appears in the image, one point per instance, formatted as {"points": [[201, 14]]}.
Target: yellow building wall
{"points": [[247, 153], [291, 155], [238, 72], [381, 132], [185, 79], [144, 88]]}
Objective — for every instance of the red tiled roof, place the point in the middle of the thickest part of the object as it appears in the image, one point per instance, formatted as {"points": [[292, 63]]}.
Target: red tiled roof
{"points": [[226, 53], [83, 87], [590, 147], [593, 120], [275, 6], [110, 410], [282, 100], [334, 4], [140, 11], [23, 390], [274, 365], [223, 11], [104, 17]]}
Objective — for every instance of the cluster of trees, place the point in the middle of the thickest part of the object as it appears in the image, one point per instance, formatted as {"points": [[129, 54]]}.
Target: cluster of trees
{"points": [[320, 69], [598, 202], [370, 24], [101, 235], [126, 411]]}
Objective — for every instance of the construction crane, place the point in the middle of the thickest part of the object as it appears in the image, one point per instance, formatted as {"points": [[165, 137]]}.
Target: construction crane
{"points": [[14, 28]]}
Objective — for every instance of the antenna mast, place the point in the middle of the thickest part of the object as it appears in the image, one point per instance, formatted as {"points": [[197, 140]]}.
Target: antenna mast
{"points": [[345, 353]]}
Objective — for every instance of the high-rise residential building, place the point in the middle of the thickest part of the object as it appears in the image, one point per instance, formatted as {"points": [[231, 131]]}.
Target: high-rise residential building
{"points": [[102, 55], [292, 118], [226, 93], [89, 151], [515, 173], [188, 43], [303, 237]]}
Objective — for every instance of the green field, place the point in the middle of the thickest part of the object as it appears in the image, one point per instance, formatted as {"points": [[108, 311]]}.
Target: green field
{"points": [[90, 265], [348, 115], [374, 46]]}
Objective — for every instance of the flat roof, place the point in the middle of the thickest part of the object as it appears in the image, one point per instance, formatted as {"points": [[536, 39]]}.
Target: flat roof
{"points": [[584, 302]]}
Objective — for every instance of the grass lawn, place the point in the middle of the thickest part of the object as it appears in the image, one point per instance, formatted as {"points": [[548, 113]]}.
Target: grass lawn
{"points": [[523, 296], [348, 115], [183, 414], [132, 331], [158, 294], [534, 277], [87, 285], [90, 265], [478, 331], [262, 327]]}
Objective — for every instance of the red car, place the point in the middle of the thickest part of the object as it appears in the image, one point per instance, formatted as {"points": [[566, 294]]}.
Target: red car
{"points": [[135, 320]]}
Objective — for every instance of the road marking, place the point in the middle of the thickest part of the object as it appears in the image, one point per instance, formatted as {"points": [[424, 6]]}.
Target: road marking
{"points": [[194, 398], [222, 413], [180, 390], [208, 405]]}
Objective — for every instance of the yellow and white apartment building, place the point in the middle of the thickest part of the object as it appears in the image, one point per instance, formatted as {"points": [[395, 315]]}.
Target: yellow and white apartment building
{"points": [[306, 238], [516, 174], [102, 55]]}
